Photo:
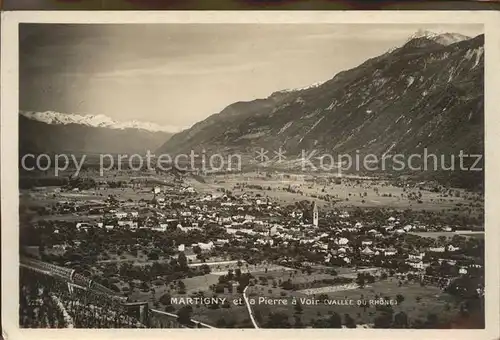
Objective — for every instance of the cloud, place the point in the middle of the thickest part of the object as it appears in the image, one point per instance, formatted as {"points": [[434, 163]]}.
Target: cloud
{"points": [[215, 64], [193, 70]]}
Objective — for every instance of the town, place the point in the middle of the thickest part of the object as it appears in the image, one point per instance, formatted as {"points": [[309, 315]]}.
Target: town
{"points": [[174, 242], [296, 174]]}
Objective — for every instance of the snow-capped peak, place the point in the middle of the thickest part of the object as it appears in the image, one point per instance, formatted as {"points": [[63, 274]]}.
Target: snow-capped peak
{"points": [[443, 38], [422, 33], [57, 118], [450, 38], [319, 83]]}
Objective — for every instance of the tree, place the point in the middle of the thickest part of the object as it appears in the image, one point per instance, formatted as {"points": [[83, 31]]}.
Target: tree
{"points": [[360, 280], [205, 269], [349, 321], [335, 321], [384, 320], [221, 323], [153, 256], [400, 298], [144, 286], [322, 297], [182, 287], [298, 322], [463, 311], [184, 315], [298, 308], [418, 324], [441, 239], [277, 320], [432, 321], [182, 260], [223, 279], [287, 285], [219, 288], [400, 320], [445, 269], [115, 288], [165, 299]]}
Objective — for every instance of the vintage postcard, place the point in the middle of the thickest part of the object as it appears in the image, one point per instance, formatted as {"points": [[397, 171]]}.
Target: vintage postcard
{"points": [[316, 174]]}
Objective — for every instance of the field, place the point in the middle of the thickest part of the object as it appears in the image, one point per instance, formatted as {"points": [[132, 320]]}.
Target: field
{"points": [[230, 313], [51, 196], [448, 234], [417, 303], [346, 194], [236, 315], [418, 300]]}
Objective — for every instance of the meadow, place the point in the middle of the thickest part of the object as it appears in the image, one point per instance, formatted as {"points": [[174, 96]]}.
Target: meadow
{"points": [[417, 303]]}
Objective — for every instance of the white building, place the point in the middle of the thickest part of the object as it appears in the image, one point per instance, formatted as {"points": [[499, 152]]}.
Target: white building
{"points": [[390, 252], [416, 256], [367, 251], [417, 265], [407, 228], [342, 241], [121, 214], [315, 214], [160, 227]]}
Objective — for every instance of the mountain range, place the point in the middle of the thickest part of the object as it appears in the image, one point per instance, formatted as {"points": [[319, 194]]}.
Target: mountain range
{"points": [[440, 38], [427, 93], [54, 132], [57, 118]]}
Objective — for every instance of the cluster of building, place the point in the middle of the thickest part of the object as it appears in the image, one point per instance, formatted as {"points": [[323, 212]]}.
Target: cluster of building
{"points": [[255, 222]]}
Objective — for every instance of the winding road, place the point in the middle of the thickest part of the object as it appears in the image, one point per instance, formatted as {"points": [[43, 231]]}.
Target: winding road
{"points": [[249, 308]]}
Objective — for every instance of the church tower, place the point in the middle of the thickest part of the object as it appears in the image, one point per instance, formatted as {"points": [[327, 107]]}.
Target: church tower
{"points": [[315, 214]]}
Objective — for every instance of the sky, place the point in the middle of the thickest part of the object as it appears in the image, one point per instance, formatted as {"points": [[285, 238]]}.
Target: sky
{"points": [[179, 74]]}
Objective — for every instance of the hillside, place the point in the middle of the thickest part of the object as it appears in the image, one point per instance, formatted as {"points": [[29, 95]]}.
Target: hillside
{"points": [[427, 93], [41, 137]]}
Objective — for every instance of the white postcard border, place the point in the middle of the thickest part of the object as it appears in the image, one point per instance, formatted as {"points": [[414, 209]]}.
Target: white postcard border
{"points": [[9, 162]]}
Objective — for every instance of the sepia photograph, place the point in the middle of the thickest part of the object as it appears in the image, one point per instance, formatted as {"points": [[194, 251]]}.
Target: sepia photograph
{"points": [[250, 175]]}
